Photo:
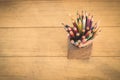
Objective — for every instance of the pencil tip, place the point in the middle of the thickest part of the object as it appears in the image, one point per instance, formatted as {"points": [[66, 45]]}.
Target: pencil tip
{"points": [[62, 23]]}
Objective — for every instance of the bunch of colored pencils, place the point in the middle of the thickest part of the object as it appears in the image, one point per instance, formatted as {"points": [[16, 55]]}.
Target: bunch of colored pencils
{"points": [[83, 31]]}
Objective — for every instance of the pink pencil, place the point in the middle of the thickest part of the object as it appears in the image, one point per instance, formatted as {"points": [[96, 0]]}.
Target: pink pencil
{"points": [[85, 44]]}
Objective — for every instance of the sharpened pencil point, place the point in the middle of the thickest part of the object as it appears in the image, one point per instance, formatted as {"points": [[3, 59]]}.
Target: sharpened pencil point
{"points": [[83, 29]]}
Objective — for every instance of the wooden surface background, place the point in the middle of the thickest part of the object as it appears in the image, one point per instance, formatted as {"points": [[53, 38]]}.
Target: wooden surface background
{"points": [[33, 43]]}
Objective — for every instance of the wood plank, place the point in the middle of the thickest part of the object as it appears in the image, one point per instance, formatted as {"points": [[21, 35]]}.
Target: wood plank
{"points": [[91, 3], [45, 68], [94, 11], [33, 42], [42, 13], [20, 70], [108, 42], [52, 22], [53, 42]]}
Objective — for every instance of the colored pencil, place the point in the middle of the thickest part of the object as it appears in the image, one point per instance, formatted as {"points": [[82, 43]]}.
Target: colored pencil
{"points": [[83, 31], [84, 22]]}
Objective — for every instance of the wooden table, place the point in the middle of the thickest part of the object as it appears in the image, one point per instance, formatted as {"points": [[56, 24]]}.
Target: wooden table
{"points": [[33, 43]]}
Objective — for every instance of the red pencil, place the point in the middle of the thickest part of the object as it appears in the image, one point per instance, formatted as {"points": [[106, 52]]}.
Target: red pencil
{"points": [[72, 34], [87, 33]]}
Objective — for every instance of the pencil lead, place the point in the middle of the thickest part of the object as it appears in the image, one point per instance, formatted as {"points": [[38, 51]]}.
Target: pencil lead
{"points": [[63, 24]]}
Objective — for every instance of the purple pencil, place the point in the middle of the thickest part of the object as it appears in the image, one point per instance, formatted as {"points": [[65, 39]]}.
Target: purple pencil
{"points": [[88, 21], [91, 21]]}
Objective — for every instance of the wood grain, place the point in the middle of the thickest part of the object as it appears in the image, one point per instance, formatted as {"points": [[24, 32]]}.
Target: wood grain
{"points": [[46, 42], [51, 13], [33, 43], [45, 68]]}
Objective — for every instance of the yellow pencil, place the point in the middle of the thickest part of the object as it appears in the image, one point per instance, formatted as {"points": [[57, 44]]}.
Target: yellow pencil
{"points": [[80, 26]]}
